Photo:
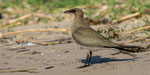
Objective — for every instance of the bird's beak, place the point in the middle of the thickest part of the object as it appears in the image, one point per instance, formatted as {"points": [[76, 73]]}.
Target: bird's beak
{"points": [[68, 12], [65, 11]]}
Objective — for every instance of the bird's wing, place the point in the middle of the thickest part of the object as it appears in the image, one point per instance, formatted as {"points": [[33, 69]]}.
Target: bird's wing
{"points": [[91, 38]]}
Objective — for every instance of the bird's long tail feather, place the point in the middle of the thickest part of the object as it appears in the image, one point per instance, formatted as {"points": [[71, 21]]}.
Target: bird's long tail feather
{"points": [[130, 48], [127, 49]]}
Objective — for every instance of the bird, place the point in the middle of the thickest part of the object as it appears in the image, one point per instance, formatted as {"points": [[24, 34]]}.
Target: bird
{"points": [[84, 35]]}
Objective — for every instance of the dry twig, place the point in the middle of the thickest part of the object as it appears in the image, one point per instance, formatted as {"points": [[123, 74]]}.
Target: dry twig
{"points": [[142, 28], [24, 70], [131, 16], [15, 20], [31, 30], [20, 18], [126, 17], [47, 43], [26, 16], [42, 15], [126, 42]]}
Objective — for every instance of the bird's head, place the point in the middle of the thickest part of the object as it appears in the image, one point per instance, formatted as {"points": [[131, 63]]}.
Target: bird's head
{"points": [[76, 11]]}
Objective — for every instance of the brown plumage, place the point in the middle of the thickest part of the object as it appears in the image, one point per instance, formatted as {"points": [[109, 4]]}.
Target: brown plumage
{"points": [[84, 35]]}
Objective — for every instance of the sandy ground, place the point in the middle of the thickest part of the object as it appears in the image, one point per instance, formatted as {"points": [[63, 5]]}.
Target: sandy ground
{"points": [[66, 58]]}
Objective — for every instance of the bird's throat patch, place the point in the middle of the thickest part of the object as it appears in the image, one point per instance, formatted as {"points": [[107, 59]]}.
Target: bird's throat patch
{"points": [[69, 12]]}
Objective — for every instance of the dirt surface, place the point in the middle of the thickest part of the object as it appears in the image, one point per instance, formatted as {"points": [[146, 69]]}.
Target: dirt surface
{"points": [[66, 58]]}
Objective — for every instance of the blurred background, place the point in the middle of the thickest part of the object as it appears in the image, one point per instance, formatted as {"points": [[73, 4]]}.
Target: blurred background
{"points": [[96, 8]]}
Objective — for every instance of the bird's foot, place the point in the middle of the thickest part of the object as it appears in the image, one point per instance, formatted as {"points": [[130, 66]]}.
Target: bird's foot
{"points": [[84, 66]]}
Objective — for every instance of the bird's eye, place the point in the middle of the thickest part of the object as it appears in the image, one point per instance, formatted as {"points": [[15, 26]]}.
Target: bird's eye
{"points": [[72, 11]]}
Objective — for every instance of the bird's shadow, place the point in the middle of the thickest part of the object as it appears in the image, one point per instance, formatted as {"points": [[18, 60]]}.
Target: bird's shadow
{"points": [[99, 60]]}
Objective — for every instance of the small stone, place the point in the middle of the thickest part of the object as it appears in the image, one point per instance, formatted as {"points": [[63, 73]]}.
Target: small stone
{"points": [[49, 67], [66, 51]]}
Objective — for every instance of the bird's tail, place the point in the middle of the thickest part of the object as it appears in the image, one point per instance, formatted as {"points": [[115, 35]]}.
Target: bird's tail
{"points": [[130, 49]]}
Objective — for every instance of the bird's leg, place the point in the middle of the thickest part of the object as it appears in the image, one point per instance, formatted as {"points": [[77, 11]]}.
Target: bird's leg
{"points": [[90, 53], [87, 59]]}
